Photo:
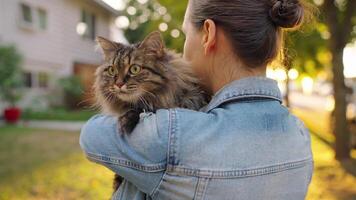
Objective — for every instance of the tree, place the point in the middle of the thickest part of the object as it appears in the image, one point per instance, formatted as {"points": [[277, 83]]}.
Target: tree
{"points": [[339, 17], [10, 74], [306, 50], [147, 17], [323, 47]]}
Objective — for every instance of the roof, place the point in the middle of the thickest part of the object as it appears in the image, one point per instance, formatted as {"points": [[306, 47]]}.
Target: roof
{"points": [[107, 7]]}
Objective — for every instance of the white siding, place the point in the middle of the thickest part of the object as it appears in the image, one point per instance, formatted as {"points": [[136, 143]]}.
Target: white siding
{"points": [[59, 46], [56, 49]]}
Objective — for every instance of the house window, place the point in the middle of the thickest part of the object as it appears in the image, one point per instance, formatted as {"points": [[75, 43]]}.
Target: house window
{"points": [[36, 80], [28, 79], [32, 18], [43, 80], [89, 20], [26, 13], [42, 19]]}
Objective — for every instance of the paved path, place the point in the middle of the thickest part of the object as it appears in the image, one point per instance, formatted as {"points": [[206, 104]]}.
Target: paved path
{"points": [[54, 125], [313, 102]]}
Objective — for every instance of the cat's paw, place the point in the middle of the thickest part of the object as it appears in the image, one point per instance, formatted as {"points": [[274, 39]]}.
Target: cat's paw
{"points": [[117, 182], [128, 122], [126, 128]]}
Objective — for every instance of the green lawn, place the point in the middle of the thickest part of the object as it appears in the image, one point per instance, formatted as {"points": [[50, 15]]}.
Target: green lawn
{"points": [[49, 165], [41, 164]]}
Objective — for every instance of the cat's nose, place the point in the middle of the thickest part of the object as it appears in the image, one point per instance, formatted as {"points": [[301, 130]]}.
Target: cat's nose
{"points": [[120, 84]]}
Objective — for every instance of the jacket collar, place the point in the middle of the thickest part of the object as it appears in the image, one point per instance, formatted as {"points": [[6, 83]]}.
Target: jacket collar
{"points": [[245, 89]]}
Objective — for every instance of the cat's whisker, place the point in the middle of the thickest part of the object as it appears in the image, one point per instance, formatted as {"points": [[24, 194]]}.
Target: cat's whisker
{"points": [[145, 102], [94, 107], [150, 93], [112, 97], [142, 101], [109, 97]]}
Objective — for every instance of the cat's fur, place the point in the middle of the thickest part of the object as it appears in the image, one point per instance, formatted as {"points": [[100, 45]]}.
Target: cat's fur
{"points": [[164, 80]]}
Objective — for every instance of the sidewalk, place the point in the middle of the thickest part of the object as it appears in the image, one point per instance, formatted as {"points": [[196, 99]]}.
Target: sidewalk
{"points": [[53, 125]]}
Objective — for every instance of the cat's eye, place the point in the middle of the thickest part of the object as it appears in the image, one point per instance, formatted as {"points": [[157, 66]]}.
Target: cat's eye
{"points": [[111, 71], [135, 69]]}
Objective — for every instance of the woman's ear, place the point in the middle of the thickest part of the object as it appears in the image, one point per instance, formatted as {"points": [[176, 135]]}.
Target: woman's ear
{"points": [[209, 36], [109, 47]]}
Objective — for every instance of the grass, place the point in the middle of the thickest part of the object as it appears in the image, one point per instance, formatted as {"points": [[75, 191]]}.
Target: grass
{"points": [[58, 114], [41, 164]]}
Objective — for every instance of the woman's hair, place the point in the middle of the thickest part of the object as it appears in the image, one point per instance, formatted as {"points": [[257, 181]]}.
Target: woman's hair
{"points": [[253, 26]]}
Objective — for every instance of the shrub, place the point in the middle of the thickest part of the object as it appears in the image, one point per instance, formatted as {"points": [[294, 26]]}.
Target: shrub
{"points": [[10, 74], [73, 90]]}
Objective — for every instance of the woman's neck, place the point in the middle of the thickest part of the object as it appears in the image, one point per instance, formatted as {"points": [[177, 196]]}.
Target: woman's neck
{"points": [[232, 72]]}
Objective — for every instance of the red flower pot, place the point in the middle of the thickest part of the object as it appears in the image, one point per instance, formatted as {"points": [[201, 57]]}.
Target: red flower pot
{"points": [[12, 115]]}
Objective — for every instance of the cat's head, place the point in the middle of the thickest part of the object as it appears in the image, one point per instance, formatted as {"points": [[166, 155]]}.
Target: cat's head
{"points": [[131, 72]]}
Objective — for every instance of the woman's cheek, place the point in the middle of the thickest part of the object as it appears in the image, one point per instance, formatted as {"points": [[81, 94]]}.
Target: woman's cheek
{"points": [[186, 53], [193, 52]]}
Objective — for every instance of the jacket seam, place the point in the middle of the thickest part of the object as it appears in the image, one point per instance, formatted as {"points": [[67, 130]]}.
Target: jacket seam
{"points": [[155, 190], [238, 173], [239, 97], [201, 188], [172, 138], [126, 163]]}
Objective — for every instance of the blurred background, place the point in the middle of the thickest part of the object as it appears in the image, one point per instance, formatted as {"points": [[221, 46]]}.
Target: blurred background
{"points": [[47, 61]]}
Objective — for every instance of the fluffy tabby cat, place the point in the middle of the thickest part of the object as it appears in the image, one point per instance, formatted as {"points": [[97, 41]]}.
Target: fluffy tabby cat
{"points": [[143, 77]]}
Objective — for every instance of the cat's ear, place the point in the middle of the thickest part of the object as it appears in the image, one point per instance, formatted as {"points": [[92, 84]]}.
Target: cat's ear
{"points": [[153, 44], [109, 47]]}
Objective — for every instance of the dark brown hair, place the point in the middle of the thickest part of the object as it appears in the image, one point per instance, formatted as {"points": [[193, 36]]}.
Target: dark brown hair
{"points": [[253, 26]]}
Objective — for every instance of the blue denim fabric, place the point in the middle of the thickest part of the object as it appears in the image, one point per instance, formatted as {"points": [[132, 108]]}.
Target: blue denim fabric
{"points": [[243, 145]]}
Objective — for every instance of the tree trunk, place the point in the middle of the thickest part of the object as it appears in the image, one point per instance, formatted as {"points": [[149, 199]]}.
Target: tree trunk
{"points": [[340, 26], [341, 131]]}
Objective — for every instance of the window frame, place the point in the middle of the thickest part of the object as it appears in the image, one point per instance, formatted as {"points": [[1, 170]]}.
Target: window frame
{"points": [[88, 18], [24, 6], [28, 78], [36, 82], [40, 84], [38, 17], [41, 12]]}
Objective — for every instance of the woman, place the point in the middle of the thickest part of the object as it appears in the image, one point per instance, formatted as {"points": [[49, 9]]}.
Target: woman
{"points": [[244, 144]]}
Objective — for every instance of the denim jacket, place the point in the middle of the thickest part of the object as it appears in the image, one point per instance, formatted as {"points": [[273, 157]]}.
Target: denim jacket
{"points": [[243, 145]]}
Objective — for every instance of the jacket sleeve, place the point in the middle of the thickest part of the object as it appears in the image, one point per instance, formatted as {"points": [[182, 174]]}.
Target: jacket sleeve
{"points": [[140, 157]]}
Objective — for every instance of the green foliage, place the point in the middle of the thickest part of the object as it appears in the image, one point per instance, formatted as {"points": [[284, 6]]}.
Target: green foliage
{"points": [[148, 19], [73, 91], [10, 74], [72, 86], [310, 50]]}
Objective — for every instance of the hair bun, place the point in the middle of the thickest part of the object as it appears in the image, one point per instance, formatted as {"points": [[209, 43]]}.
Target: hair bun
{"points": [[287, 13]]}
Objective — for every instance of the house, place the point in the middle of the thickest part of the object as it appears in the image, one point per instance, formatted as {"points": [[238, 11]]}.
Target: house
{"points": [[56, 39]]}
